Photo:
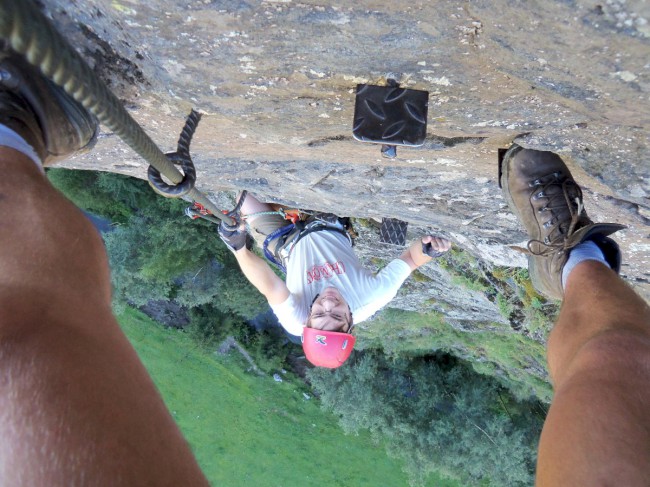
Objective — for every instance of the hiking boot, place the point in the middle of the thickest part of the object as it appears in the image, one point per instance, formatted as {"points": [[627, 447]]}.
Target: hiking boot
{"points": [[547, 201], [53, 123]]}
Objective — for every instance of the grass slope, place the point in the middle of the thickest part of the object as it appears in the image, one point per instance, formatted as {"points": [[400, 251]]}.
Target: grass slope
{"points": [[247, 430]]}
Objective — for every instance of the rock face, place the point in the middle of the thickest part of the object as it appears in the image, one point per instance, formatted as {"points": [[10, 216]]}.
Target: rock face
{"points": [[276, 82]]}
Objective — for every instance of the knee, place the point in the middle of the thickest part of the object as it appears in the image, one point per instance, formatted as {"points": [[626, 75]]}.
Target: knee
{"points": [[83, 261], [61, 255], [619, 342], [620, 354]]}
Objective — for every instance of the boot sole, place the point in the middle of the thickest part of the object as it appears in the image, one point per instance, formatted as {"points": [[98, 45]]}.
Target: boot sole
{"points": [[66, 127], [504, 172]]}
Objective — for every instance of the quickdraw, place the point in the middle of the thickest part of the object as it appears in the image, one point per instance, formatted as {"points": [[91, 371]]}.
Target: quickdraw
{"points": [[197, 211]]}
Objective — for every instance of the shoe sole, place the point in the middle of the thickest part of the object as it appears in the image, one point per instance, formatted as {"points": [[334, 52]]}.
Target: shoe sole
{"points": [[67, 127], [504, 172]]}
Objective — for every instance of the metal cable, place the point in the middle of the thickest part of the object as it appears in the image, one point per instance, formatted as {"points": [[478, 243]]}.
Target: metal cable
{"points": [[30, 33]]}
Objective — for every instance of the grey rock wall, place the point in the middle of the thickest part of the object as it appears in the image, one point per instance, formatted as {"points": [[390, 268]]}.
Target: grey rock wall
{"points": [[276, 82]]}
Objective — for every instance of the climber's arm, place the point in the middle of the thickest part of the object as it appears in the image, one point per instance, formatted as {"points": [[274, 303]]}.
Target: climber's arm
{"points": [[414, 255], [260, 275]]}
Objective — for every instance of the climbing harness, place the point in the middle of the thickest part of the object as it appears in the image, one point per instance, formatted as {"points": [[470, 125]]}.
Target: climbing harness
{"points": [[277, 235], [289, 235], [28, 32], [299, 224]]}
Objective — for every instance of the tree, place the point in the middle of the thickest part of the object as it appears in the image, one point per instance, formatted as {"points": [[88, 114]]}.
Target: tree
{"points": [[109, 195], [434, 413], [157, 254], [224, 286]]}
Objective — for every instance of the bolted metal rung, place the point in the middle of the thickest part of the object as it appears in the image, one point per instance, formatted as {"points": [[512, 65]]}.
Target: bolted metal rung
{"points": [[393, 231], [390, 115]]}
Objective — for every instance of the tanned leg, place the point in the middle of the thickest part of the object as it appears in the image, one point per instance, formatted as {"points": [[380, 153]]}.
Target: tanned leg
{"points": [[76, 405], [597, 432], [253, 205], [261, 225]]}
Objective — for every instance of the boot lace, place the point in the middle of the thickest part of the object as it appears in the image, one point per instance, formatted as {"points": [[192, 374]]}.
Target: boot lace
{"points": [[565, 206]]}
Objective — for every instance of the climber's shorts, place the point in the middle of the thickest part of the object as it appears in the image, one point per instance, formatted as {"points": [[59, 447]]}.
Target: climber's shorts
{"points": [[263, 225]]}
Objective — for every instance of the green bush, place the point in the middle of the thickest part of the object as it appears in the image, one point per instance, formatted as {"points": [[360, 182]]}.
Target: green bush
{"points": [[436, 415], [210, 326], [505, 307]]}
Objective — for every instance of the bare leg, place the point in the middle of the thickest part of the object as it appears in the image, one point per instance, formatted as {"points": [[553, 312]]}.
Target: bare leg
{"points": [[253, 205], [598, 428], [261, 225], [76, 405]]}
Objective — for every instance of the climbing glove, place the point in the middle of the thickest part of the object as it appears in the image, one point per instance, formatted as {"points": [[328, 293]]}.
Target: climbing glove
{"points": [[235, 237], [428, 249]]}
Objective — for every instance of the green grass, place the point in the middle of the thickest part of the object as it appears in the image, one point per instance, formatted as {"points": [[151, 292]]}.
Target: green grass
{"points": [[247, 430]]}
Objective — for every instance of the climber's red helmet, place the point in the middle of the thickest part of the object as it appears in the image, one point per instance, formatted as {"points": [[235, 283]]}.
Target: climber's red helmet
{"points": [[327, 339], [327, 348]]}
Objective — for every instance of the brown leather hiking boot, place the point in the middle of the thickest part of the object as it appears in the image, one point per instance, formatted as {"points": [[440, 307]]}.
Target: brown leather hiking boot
{"points": [[53, 123], [547, 201]]}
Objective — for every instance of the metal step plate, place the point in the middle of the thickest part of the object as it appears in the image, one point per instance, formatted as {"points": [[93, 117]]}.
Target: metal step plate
{"points": [[393, 231], [390, 115]]}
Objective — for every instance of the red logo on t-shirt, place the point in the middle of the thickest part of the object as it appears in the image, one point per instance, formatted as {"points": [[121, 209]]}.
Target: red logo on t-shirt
{"points": [[325, 270]]}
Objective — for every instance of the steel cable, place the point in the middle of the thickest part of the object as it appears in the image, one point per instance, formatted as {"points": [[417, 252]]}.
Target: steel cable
{"points": [[30, 33]]}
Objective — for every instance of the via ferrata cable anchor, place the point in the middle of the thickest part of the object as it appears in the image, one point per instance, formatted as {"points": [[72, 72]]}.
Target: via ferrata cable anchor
{"points": [[391, 116], [181, 158]]}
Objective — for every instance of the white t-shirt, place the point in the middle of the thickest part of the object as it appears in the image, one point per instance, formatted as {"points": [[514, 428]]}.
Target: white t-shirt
{"points": [[323, 259]]}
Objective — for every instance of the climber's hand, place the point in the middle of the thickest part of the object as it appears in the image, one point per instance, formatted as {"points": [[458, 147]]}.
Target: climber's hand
{"points": [[235, 237], [435, 246]]}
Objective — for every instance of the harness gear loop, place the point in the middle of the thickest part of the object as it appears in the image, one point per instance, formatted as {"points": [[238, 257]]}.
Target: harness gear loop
{"points": [[292, 215]]}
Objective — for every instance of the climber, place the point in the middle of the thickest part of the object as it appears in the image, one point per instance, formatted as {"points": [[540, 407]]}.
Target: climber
{"points": [[77, 407], [327, 290]]}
